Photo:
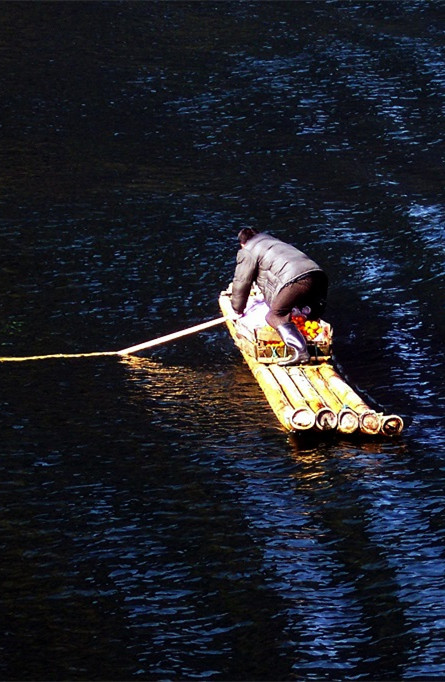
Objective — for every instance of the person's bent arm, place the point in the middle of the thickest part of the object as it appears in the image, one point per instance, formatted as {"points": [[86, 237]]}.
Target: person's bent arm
{"points": [[243, 279]]}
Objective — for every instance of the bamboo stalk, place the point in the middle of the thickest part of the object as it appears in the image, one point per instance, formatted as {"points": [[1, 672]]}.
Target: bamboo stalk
{"points": [[345, 393], [172, 337], [309, 393], [305, 414], [369, 420], [322, 389], [294, 396], [325, 417], [124, 351], [347, 419], [290, 417]]}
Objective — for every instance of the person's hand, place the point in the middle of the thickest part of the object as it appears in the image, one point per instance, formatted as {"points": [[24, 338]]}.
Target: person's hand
{"points": [[233, 315]]}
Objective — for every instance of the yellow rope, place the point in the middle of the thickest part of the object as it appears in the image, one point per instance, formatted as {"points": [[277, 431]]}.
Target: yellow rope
{"points": [[124, 351], [57, 355]]}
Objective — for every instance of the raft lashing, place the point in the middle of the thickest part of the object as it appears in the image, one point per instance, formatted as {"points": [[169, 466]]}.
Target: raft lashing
{"points": [[303, 397]]}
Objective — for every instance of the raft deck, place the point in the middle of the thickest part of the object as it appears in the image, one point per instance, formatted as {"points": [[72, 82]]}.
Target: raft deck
{"points": [[305, 397]]}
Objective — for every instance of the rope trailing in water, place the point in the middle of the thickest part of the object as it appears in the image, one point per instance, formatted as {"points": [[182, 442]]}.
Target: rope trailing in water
{"points": [[57, 355], [124, 351]]}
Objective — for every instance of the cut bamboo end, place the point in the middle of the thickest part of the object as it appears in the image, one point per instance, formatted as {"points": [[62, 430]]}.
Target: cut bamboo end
{"points": [[303, 419], [325, 419], [369, 422], [348, 421], [391, 425]]}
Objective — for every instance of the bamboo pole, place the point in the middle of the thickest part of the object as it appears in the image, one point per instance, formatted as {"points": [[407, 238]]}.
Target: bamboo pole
{"points": [[325, 418], [293, 395], [172, 337], [290, 417], [305, 387], [347, 419], [125, 351], [369, 420]]}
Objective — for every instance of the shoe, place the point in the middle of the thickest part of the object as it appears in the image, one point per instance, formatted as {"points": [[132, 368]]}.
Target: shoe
{"points": [[295, 340]]}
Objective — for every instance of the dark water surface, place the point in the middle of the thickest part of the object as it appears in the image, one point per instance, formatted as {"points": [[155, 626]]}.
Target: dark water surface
{"points": [[156, 521]]}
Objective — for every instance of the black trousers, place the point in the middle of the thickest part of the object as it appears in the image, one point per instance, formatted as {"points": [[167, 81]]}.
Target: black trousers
{"points": [[311, 290]]}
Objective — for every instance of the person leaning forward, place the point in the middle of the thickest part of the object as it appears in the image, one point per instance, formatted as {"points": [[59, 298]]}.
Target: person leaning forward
{"points": [[288, 279]]}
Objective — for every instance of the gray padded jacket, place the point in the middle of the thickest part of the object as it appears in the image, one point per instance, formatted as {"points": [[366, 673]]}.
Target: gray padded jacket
{"points": [[272, 264]]}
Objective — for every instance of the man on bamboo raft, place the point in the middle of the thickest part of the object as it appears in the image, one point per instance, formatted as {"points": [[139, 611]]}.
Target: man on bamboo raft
{"points": [[288, 279]]}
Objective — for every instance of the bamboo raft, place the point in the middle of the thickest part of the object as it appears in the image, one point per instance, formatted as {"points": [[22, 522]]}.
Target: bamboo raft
{"points": [[303, 397]]}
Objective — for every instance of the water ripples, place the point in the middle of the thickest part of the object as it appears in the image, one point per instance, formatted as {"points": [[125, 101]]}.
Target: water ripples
{"points": [[157, 522]]}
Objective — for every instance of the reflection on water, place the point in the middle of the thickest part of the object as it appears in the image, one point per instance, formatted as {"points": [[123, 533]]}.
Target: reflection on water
{"points": [[156, 520], [199, 401]]}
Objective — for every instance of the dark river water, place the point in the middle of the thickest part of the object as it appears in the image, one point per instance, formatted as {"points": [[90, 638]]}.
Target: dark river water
{"points": [[156, 521]]}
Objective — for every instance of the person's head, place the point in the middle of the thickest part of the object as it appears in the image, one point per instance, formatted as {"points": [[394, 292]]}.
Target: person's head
{"points": [[245, 234]]}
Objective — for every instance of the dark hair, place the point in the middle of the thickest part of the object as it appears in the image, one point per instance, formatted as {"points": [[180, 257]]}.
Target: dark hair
{"points": [[245, 234]]}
